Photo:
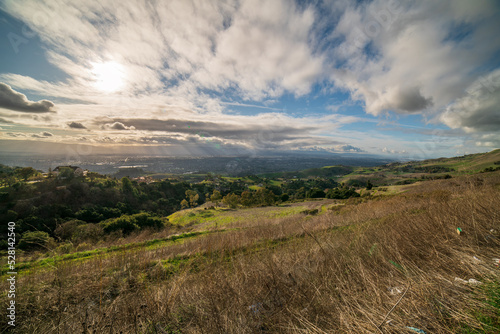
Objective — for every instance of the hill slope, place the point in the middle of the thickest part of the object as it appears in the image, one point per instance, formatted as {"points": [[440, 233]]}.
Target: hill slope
{"points": [[349, 268]]}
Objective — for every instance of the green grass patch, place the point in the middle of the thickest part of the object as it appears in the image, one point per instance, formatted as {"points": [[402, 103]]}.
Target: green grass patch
{"points": [[24, 268], [197, 216], [487, 316], [284, 212]]}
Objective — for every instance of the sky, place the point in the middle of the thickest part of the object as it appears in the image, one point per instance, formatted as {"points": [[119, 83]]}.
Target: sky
{"points": [[402, 79]]}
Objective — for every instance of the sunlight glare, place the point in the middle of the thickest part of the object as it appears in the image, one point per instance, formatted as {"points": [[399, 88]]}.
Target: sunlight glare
{"points": [[109, 76]]}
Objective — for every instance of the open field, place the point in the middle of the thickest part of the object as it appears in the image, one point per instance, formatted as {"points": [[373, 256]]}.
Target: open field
{"points": [[376, 264]]}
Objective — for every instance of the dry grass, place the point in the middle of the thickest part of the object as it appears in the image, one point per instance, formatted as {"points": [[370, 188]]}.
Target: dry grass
{"points": [[331, 273]]}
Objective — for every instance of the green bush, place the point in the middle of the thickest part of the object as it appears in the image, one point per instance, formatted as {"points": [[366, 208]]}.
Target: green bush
{"points": [[35, 240], [341, 193], [87, 232], [131, 223], [64, 248], [315, 193]]}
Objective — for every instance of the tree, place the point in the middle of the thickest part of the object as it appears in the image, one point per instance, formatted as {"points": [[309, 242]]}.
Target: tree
{"points": [[341, 193], [369, 185], [66, 173], [124, 223], [193, 197], [26, 172], [93, 175], [66, 230], [35, 240], [315, 193], [231, 200], [300, 193], [184, 204], [247, 198], [127, 186], [216, 197], [264, 197]]}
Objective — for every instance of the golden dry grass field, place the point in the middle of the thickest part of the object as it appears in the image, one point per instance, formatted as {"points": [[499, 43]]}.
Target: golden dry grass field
{"points": [[375, 264]]}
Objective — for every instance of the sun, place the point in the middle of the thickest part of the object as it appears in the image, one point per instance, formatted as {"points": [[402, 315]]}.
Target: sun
{"points": [[109, 76]]}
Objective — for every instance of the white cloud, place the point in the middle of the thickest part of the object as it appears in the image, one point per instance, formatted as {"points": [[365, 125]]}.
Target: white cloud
{"points": [[413, 56], [264, 52], [191, 60], [479, 109], [259, 47], [116, 126]]}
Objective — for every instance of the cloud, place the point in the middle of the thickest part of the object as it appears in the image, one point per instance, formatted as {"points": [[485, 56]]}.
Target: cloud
{"points": [[266, 132], [16, 134], [406, 100], [412, 57], [5, 121], [228, 130], [42, 135], [117, 126], [393, 151], [217, 45], [264, 55], [76, 125], [12, 100], [348, 148], [479, 109], [197, 64]]}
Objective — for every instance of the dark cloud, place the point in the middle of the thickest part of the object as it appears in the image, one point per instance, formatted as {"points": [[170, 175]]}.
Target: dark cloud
{"points": [[349, 148], [12, 100], [257, 132], [42, 135], [411, 100], [76, 125], [16, 134]]}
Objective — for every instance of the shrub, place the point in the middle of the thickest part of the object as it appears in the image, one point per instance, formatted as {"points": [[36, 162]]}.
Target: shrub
{"points": [[144, 220], [66, 230], [130, 223], [231, 200], [88, 232], [35, 240], [315, 193], [311, 212], [341, 193], [124, 223], [82, 247], [4, 196], [64, 248]]}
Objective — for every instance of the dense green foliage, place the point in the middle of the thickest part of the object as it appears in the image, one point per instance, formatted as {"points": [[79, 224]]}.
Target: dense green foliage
{"points": [[75, 205], [70, 207], [35, 240], [341, 193]]}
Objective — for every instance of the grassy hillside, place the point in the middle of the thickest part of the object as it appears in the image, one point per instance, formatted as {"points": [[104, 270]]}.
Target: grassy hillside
{"points": [[399, 173], [375, 264], [414, 171]]}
